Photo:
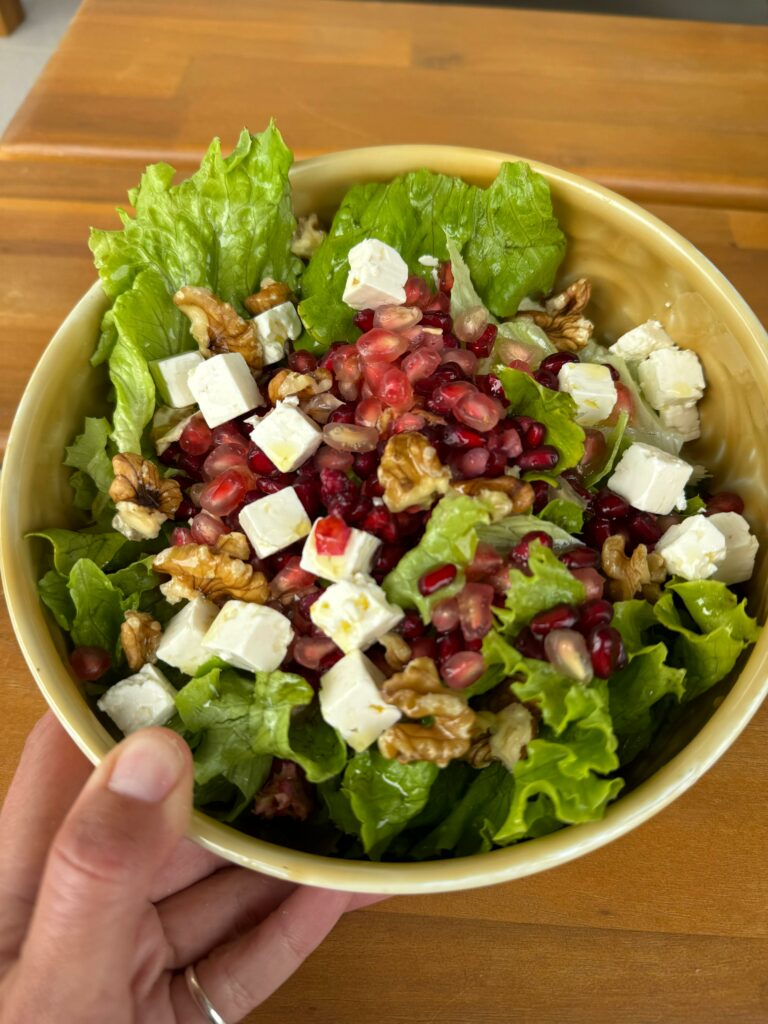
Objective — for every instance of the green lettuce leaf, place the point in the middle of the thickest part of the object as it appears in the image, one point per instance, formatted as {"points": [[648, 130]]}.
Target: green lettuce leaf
{"points": [[136, 578], [504, 534], [107, 340], [635, 695], [99, 607], [507, 233], [54, 593], [634, 619], [549, 584], [228, 795], [70, 545], [568, 515], [88, 453], [554, 409], [695, 505], [450, 536], [616, 445]]}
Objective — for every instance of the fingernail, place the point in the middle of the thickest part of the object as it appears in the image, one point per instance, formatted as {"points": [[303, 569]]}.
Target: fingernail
{"points": [[147, 768]]}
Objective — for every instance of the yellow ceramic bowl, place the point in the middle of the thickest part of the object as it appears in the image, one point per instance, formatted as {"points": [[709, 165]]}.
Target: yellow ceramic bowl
{"points": [[639, 268]]}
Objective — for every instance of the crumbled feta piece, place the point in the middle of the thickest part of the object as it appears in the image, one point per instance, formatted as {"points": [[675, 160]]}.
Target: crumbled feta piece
{"points": [[682, 418], [356, 558], [351, 702], [529, 305], [740, 547], [429, 261], [136, 522], [139, 701], [249, 636], [275, 521], [671, 376], [692, 549], [650, 479], [278, 324], [272, 352], [181, 644], [376, 277], [223, 388], [287, 436], [172, 378], [354, 613], [591, 387], [641, 341], [511, 732]]}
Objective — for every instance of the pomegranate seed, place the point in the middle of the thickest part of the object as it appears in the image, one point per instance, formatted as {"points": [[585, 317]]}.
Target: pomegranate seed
{"points": [[395, 389], [445, 615], [311, 651], [306, 601], [437, 318], [273, 484], [197, 437], [520, 365], [386, 559], [580, 558], [449, 644], [331, 535], [326, 360], [344, 414], [462, 437], [557, 361], [181, 535], [607, 651], [615, 375], [366, 463], [412, 626], [445, 276], [381, 523], [573, 478], [308, 493], [291, 578], [371, 487], [463, 669], [486, 562], [482, 346], [438, 303], [329, 458], [643, 528], [363, 319], [424, 647], [470, 464], [380, 346], [597, 531], [547, 379], [395, 318], [436, 579], [470, 324], [259, 462], [566, 650], [562, 616], [421, 363], [450, 340], [522, 550], [187, 508], [417, 292], [608, 505], [447, 373], [350, 437], [509, 442], [478, 411], [206, 528], [228, 433], [360, 511], [89, 662], [302, 362], [534, 435], [595, 448], [522, 423], [447, 394], [592, 582], [223, 458], [224, 494], [541, 459], [724, 501], [497, 462], [408, 422], [625, 402], [540, 495], [492, 386], [462, 358], [596, 612], [474, 603], [529, 646]]}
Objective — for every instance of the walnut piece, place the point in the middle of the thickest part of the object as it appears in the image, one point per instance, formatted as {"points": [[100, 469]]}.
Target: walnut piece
{"points": [[272, 293], [233, 544], [303, 385], [139, 635], [504, 738], [411, 473], [519, 492], [629, 575], [197, 569], [308, 237], [562, 320], [217, 327], [397, 653], [138, 480], [419, 693]]}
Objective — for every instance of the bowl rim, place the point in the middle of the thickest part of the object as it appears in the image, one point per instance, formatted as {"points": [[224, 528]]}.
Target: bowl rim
{"points": [[508, 863]]}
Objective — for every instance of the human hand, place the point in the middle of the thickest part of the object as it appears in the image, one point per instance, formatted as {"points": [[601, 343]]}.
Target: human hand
{"points": [[103, 903]]}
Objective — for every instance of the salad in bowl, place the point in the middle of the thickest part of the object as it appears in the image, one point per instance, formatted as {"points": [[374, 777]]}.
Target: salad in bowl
{"points": [[380, 519]]}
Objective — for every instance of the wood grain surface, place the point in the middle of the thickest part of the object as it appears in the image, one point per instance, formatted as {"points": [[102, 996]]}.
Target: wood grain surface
{"points": [[670, 923], [11, 16], [657, 109]]}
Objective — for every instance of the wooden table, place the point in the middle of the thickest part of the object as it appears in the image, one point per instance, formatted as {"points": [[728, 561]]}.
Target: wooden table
{"points": [[667, 924]]}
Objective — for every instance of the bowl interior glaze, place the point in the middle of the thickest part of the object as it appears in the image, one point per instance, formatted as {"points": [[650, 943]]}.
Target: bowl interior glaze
{"points": [[639, 269]]}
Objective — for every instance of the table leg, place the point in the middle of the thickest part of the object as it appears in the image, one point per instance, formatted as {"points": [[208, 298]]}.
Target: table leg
{"points": [[11, 16]]}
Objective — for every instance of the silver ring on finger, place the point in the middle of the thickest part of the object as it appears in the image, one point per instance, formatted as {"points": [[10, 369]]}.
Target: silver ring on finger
{"points": [[201, 1000]]}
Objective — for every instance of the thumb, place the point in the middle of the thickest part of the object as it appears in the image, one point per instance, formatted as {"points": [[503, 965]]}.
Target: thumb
{"points": [[95, 889]]}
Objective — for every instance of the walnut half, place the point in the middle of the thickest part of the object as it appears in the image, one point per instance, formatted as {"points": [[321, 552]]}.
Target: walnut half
{"points": [[411, 473], [519, 492], [139, 636], [562, 320], [197, 569], [504, 738], [419, 693], [217, 327], [631, 574], [144, 500]]}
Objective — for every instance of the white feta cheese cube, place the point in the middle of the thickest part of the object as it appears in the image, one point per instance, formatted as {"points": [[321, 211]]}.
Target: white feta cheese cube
{"points": [[692, 549], [356, 558], [181, 644], [287, 436], [274, 327], [740, 547], [139, 701], [351, 702], [671, 376], [376, 277], [172, 378], [591, 387], [272, 352], [354, 613], [223, 388], [249, 636], [275, 521], [682, 418], [650, 479], [641, 341]]}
